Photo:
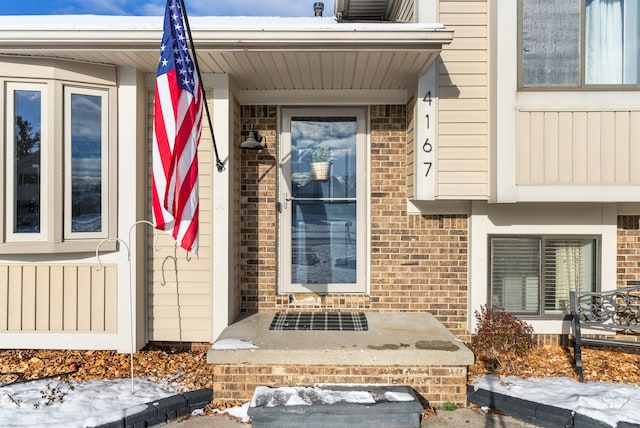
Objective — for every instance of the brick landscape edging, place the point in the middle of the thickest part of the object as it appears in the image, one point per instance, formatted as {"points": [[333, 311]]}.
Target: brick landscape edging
{"points": [[166, 409], [535, 413]]}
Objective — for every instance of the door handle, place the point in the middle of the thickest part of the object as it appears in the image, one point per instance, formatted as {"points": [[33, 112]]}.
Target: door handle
{"points": [[286, 199]]}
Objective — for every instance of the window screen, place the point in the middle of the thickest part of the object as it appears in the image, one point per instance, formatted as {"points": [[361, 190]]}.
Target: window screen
{"points": [[550, 42], [575, 43]]}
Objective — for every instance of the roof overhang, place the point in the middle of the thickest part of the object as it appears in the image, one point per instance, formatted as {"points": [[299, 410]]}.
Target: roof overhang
{"points": [[363, 10], [277, 50]]}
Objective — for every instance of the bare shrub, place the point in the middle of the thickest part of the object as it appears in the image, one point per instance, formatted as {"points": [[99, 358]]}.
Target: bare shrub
{"points": [[499, 336]]}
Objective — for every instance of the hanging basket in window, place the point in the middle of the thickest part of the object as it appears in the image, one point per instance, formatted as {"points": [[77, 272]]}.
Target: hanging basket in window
{"points": [[320, 170]]}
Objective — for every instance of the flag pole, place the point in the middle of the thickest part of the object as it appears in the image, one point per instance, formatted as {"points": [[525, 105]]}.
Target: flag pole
{"points": [[219, 163]]}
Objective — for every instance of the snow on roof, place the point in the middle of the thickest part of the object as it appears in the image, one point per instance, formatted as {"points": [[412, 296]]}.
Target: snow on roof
{"points": [[241, 23]]}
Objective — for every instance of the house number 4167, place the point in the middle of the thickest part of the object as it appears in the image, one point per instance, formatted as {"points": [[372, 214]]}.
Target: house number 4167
{"points": [[426, 147]]}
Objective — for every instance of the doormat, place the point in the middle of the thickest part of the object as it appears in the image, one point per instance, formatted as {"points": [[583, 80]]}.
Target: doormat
{"points": [[341, 321]]}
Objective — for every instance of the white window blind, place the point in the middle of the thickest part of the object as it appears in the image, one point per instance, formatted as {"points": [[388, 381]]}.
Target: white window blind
{"points": [[568, 265], [533, 275], [515, 274]]}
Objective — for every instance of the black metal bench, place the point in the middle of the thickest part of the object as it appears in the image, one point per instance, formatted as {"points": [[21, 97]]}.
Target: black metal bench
{"points": [[616, 311]]}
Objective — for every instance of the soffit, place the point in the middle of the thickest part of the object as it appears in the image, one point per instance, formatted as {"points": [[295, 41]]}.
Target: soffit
{"points": [[363, 10], [270, 54]]}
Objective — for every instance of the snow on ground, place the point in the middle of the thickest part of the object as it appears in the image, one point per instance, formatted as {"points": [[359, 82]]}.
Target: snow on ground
{"points": [[606, 402], [234, 344], [53, 403], [239, 412], [306, 396], [97, 402]]}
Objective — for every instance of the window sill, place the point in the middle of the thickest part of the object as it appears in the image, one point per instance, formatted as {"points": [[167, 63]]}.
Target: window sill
{"points": [[57, 247]]}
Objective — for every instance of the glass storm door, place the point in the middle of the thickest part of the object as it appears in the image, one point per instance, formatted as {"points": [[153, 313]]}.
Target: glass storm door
{"points": [[322, 196]]}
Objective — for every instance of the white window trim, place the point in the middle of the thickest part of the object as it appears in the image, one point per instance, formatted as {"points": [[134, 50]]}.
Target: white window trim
{"points": [[12, 88], [509, 100], [542, 274], [54, 75], [69, 91]]}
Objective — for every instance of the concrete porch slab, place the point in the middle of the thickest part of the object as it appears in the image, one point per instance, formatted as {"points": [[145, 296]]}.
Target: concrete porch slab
{"points": [[401, 338]]}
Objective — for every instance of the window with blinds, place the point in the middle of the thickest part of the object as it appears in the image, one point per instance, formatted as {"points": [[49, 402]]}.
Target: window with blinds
{"points": [[533, 275]]}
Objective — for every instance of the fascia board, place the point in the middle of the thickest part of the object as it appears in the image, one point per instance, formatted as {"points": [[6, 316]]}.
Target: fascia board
{"points": [[346, 38]]}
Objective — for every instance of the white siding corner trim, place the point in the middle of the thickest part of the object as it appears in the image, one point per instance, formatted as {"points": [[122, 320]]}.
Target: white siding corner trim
{"points": [[537, 219]]}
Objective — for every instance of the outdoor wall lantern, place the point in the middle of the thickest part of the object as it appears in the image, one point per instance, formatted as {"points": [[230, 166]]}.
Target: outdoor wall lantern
{"points": [[253, 141]]}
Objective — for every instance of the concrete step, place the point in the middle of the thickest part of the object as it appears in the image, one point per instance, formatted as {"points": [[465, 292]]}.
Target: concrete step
{"points": [[337, 406]]}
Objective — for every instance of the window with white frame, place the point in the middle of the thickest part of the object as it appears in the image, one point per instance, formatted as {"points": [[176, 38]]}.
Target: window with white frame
{"points": [[86, 167], [57, 188], [579, 43], [532, 275], [26, 149]]}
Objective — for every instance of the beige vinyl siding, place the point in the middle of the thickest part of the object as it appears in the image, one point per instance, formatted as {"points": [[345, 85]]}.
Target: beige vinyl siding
{"points": [[578, 147], [403, 11], [463, 142], [58, 298], [179, 284]]}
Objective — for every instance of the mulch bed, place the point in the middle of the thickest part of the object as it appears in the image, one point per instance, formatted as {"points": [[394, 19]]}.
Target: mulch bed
{"points": [[189, 369], [611, 365]]}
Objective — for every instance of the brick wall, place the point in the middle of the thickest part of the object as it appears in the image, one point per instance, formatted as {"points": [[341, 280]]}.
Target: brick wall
{"points": [[418, 263], [436, 384], [628, 259], [258, 213]]}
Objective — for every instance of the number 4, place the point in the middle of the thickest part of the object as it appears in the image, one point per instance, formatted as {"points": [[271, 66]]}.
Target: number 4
{"points": [[427, 98]]}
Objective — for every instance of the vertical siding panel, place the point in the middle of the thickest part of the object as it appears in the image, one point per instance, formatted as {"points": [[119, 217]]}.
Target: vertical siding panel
{"points": [[97, 300], [28, 298], [4, 297], [84, 298], [43, 285], [523, 154], [622, 168], [551, 147], [111, 298], [634, 150], [580, 154], [15, 298], [565, 148], [608, 148], [56, 305], [537, 148], [70, 299], [593, 147]]}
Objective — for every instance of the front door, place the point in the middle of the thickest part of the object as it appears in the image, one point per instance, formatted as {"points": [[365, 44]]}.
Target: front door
{"points": [[322, 194]]}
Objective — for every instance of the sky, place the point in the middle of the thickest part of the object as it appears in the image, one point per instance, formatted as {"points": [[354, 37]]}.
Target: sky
{"points": [[92, 403], [284, 8]]}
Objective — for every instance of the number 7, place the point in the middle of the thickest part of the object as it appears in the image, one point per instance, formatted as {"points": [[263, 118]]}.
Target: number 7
{"points": [[428, 168]]}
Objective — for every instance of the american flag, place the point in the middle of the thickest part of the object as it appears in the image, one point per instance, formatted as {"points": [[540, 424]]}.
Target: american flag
{"points": [[177, 126]]}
